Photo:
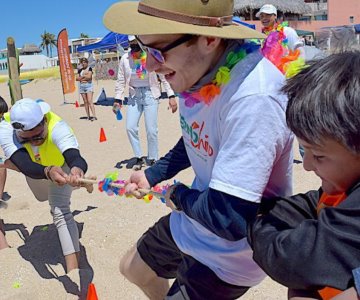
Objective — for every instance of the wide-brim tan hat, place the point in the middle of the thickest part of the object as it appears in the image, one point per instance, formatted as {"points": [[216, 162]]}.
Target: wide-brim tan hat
{"points": [[198, 17]]}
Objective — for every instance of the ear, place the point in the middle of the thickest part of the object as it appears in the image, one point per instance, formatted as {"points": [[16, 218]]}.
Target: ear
{"points": [[208, 44]]}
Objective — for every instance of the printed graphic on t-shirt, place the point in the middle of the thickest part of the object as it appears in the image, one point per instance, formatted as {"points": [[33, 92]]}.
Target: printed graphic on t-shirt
{"points": [[196, 138]]}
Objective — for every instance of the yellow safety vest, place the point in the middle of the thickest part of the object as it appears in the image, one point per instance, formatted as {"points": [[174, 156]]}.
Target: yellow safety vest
{"points": [[49, 154]]}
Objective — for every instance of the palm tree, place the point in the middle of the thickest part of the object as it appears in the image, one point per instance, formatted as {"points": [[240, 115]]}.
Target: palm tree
{"points": [[84, 36], [48, 41]]}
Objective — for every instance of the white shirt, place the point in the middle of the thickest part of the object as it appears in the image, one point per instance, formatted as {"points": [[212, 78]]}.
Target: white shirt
{"points": [[294, 41], [239, 145]]}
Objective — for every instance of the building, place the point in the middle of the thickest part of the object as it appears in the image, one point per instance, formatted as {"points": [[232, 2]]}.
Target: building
{"points": [[329, 13], [30, 59], [324, 13]]}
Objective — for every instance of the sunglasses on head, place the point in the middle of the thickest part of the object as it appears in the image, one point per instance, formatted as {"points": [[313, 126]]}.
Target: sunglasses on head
{"points": [[158, 54], [19, 126]]}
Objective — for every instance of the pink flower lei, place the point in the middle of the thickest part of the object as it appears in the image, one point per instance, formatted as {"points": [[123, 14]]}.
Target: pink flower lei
{"points": [[276, 49]]}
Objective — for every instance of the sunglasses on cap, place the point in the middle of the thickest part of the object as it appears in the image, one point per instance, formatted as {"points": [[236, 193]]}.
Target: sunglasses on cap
{"points": [[19, 126], [158, 54]]}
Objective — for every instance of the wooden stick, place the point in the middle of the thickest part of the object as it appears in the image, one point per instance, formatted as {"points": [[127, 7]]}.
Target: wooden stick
{"points": [[14, 70], [94, 181]]}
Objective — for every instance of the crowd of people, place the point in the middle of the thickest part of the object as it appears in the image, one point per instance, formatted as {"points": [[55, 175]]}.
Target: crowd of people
{"points": [[238, 221]]}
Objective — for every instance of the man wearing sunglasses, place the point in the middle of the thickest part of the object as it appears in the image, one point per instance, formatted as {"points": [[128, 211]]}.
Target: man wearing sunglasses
{"points": [[234, 137], [39, 144]]}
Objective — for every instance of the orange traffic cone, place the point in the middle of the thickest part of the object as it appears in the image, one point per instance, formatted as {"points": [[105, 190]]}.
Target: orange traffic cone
{"points": [[91, 294], [77, 104], [102, 135]]}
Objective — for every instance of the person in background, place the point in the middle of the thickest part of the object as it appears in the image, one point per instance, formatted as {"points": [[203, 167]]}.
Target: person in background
{"points": [[143, 91], [3, 173], [39, 144], [268, 18], [86, 87], [283, 47], [310, 242], [234, 137]]}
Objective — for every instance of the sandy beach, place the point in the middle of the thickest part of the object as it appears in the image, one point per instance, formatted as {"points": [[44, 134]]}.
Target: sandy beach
{"points": [[33, 267]]}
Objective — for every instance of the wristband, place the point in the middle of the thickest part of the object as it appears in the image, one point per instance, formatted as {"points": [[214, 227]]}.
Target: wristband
{"points": [[47, 172]]}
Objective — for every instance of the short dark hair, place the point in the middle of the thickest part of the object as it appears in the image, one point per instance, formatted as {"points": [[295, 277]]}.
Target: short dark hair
{"points": [[3, 106], [324, 101]]}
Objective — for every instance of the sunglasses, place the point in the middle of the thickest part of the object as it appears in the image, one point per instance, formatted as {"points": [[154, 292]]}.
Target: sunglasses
{"points": [[19, 126], [158, 54], [35, 138]]}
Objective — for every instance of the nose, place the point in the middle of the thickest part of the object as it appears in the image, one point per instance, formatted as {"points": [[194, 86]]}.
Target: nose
{"points": [[308, 161], [151, 63]]}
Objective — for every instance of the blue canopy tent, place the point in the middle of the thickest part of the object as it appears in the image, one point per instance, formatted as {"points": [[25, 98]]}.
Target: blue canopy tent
{"points": [[237, 20], [111, 40]]}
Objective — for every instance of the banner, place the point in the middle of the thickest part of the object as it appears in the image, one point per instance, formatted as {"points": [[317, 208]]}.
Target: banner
{"points": [[66, 69]]}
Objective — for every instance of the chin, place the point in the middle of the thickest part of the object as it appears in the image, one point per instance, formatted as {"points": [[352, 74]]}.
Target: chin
{"points": [[331, 190]]}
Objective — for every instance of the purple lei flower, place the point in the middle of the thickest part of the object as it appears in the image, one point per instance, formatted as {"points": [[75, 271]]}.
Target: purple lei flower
{"points": [[190, 99]]}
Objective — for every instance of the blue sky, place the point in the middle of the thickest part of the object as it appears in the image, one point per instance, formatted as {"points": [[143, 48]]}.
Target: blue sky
{"points": [[26, 20]]}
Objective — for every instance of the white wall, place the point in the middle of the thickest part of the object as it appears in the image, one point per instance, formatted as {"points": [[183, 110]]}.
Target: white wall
{"points": [[35, 62]]}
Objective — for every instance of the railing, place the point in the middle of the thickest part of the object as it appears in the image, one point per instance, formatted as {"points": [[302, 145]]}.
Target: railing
{"points": [[318, 6]]}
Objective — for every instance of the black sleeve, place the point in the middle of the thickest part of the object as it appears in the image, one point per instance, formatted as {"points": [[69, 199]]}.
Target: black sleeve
{"points": [[74, 159], [303, 250], [22, 160], [169, 165], [225, 215]]}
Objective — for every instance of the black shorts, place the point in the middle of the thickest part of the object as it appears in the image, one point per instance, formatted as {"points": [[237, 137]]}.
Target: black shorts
{"points": [[193, 279]]}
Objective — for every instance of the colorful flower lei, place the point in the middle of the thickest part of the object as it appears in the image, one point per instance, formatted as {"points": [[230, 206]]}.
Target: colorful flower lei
{"points": [[140, 63], [111, 185], [208, 92], [276, 49]]}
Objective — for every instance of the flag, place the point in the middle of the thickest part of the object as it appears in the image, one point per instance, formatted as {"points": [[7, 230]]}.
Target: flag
{"points": [[66, 69]]}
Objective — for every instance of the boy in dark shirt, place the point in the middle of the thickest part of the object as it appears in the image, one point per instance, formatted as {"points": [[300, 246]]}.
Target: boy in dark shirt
{"points": [[311, 241]]}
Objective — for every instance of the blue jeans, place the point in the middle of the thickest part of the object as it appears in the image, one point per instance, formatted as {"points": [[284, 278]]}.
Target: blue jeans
{"points": [[143, 101]]}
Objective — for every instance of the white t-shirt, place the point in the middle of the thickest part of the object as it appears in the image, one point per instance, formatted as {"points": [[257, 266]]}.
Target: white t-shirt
{"points": [[239, 145], [62, 137], [294, 41]]}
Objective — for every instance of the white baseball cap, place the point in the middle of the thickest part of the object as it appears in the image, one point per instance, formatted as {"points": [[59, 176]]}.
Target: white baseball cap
{"points": [[267, 9], [27, 113], [131, 38]]}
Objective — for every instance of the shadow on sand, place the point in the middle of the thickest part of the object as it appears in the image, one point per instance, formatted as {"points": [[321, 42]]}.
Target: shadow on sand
{"points": [[43, 250]]}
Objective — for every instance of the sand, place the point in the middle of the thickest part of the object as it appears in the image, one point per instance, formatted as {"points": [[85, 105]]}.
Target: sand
{"points": [[109, 225]]}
